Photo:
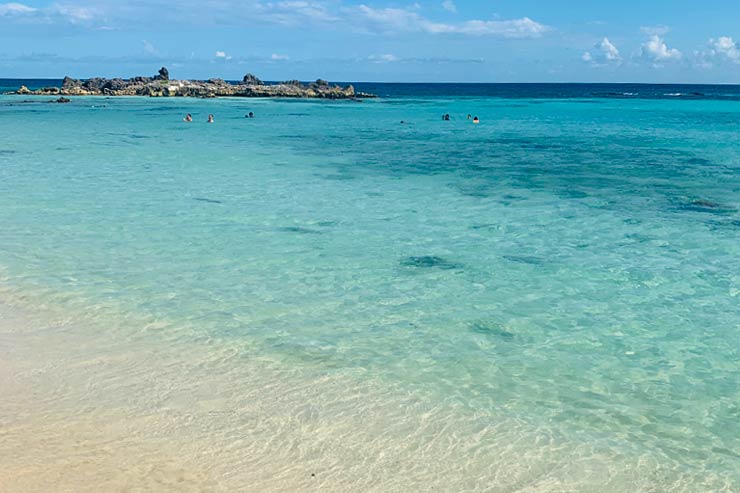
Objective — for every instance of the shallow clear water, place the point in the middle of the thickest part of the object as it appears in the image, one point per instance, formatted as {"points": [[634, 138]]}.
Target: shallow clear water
{"points": [[554, 290]]}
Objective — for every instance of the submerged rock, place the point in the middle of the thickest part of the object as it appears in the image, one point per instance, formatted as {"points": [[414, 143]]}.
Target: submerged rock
{"points": [[491, 329], [429, 261], [161, 86], [709, 206], [524, 259], [300, 230]]}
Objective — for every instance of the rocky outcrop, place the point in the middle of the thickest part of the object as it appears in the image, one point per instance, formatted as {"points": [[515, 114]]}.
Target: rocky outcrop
{"points": [[252, 79], [161, 86]]}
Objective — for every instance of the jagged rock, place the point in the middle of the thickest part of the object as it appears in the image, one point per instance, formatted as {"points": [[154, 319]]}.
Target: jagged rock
{"points": [[62, 100], [164, 74], [157, 86], [252, 79], [141, 80], [115, 84], [94, 84], [69, 82]]}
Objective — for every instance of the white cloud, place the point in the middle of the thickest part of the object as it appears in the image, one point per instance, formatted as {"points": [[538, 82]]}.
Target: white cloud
{"points": [[54, 14], [605, 53], [655, 30], [293, 12], [222, 55], [449, 6], [385, 58], [73, 13], [393, 19], [277, 57], [327, 14], [610, 51], [726, 47], [656, 50], [8, 9], [149, 47]]}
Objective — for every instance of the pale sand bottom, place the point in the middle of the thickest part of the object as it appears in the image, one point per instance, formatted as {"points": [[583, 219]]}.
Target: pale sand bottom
{"points": [[92, 410]]}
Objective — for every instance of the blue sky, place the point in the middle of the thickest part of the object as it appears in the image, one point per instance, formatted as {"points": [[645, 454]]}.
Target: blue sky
{"points": [[376, 40]]}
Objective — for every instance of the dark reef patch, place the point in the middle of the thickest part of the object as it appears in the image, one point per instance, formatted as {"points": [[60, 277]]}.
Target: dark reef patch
{"points": [[300, 230], [708, 206], [525, 259], [208, 201], [485, 226], [572, 194], [491, 329], [430, 262], [337, 177], [698, 161]]}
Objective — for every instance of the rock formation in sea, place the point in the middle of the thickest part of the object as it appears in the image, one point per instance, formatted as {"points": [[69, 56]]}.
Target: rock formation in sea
{"points": [[162, 86]]}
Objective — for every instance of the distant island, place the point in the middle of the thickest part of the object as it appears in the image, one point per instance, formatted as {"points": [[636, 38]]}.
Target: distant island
{"points": [[162, 86]]}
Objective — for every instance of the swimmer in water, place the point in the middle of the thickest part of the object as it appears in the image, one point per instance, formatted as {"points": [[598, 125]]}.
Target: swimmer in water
{"points": [[210, 118], [476, 120], [470, 117], [188, 118], [251, 115]]}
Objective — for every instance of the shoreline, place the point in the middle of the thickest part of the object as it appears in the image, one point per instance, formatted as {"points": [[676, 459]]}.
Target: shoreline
{"points": [[86, 410]]}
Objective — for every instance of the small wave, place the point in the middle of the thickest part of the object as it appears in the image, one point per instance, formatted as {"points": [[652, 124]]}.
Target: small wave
{"points": [[616, 94], [684, 94]]}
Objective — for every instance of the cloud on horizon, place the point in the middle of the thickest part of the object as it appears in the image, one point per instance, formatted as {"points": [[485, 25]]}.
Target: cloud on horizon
{"points": [[656, 50], [393, 38], [725, 47], [336, 14], [390, 20], [604, 53]]}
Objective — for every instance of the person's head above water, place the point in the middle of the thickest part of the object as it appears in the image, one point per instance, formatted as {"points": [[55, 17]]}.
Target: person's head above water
{"points": [[476, 120], [210, 118], [470, 116], [188, 118]]}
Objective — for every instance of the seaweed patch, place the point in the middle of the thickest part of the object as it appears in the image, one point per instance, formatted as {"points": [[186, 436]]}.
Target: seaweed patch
{"points": [[491, 329], [429, 262], [524, 259]]}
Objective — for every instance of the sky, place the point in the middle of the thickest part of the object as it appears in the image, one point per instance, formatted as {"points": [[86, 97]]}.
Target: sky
{"points": [[655, 41]]}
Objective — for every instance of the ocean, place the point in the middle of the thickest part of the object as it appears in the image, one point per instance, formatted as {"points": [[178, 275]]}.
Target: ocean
{"points": [[326, 298]]}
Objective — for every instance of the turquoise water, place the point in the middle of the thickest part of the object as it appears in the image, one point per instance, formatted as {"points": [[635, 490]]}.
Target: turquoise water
{"points": [[566, 273]]}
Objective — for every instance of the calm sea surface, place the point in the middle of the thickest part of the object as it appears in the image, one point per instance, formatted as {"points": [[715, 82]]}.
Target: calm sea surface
{"points": [[325, 297]]}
